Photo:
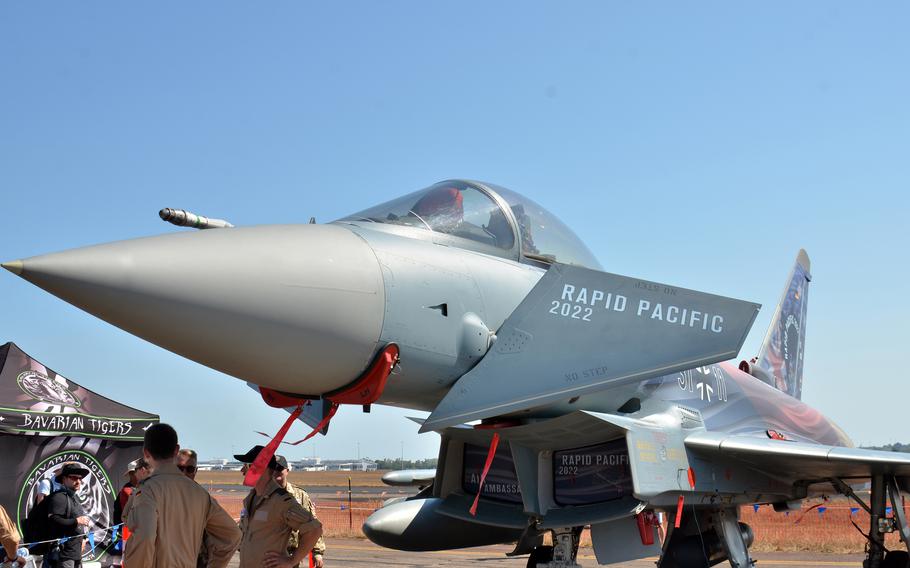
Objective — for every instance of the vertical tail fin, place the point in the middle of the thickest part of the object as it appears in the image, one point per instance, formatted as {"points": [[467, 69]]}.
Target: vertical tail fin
{"points": [[781, 354]]}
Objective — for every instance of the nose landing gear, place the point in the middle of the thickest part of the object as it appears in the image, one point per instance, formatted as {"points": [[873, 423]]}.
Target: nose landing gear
{"points": [[563, 552]]}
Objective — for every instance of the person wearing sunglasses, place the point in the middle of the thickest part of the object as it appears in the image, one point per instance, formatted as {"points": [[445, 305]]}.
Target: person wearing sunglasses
{"points": [[280, 475], [186, 462], [67, 518], [268, 516]]}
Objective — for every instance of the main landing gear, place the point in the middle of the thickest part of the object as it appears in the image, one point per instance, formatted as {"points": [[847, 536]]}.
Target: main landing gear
{"points": [[884, 488]]}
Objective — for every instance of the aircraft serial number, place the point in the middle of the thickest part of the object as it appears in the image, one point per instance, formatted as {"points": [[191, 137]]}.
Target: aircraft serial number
{"points": [[571, 311]]}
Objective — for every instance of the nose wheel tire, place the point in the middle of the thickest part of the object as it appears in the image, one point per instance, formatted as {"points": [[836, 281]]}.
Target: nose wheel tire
{"points": [[540, 555], [896, 559]]}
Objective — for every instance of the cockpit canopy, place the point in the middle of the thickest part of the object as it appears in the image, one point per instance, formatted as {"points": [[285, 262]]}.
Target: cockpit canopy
{"points": [[481, 217]]}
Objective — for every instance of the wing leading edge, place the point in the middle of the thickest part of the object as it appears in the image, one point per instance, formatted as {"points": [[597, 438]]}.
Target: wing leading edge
{"points": [[801, 462]]}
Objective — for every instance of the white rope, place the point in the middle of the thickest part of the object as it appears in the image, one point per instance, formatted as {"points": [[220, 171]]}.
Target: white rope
{"points": [[75, 536]]}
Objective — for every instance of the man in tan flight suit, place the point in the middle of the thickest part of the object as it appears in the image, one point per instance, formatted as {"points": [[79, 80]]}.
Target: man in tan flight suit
{"points": [[280, 476], [269, 515], [169, 514], [9, 539]]}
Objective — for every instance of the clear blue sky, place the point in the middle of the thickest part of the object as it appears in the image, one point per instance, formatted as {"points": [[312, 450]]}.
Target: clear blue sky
{"points": [[699, 144]]}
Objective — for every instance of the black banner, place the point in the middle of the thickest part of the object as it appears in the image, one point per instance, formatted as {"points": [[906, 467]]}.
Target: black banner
{"points": [[592, 474], [16, 421], [47, 420], [34, 458], [501, 482], [34, 400]]}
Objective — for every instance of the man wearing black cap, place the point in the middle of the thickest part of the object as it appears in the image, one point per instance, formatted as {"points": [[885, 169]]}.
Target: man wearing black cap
{"points": [[67, 519], [281, 478], [269, 515]]}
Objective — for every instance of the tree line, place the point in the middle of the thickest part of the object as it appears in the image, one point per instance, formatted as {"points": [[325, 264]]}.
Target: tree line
{"points": [[389, 463], [895, 447]]}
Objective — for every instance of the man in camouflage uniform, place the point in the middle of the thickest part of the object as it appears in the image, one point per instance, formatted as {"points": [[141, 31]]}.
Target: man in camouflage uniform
{"points": [[281, 478]]}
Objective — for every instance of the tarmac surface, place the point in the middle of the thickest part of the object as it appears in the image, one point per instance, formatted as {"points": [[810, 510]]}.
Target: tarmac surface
{"points": [[350, 553]]}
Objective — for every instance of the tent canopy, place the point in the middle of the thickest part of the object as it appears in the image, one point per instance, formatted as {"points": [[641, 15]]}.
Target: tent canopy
{"points": [[36, 401]]}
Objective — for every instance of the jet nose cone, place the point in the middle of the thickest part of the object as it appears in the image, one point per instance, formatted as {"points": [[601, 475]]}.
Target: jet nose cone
{"points": [[297, 308], [14, 266]]}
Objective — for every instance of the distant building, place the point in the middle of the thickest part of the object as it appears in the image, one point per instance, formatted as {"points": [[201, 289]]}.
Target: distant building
{"points": [[219, 465], [303, 464], [362, 465]]}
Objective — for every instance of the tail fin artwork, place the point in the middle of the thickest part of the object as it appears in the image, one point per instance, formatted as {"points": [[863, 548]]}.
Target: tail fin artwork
{"points": [[781, 355]]}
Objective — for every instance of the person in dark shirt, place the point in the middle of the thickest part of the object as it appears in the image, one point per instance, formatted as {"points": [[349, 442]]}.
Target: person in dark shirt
{"points": [[67, 519]]}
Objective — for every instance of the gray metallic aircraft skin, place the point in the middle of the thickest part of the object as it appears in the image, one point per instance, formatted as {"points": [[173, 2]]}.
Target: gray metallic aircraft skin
{"points": [[282, 306], [561, 357], [479, 291]]}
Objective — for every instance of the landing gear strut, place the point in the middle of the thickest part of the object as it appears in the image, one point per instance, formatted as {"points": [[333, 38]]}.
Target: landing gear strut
{"points": [[880, 524], [563, 552], [876, 554]]}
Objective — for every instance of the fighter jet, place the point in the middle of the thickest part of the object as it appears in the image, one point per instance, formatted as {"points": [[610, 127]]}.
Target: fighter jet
{"points": [[565, 396]]}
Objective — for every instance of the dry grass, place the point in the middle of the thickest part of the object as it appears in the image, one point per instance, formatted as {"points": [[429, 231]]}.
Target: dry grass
{"points": [[806, 530], [337, 479], [338, 520], [811, 531]]}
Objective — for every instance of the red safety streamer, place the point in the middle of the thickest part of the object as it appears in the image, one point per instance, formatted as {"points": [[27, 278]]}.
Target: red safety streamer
{"points": [[332, 410], [679, 507], [486, 468], [646, 523], [257, 468]]}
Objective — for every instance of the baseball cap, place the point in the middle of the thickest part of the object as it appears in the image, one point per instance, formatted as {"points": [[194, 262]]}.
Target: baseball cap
{"points": [[134, 465], [251, 455]]}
